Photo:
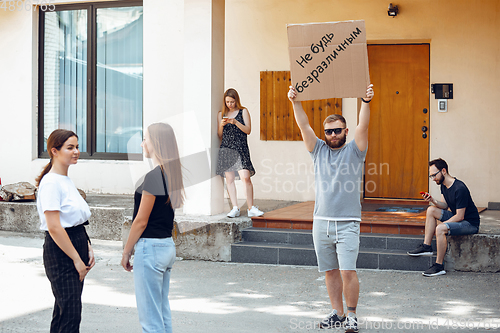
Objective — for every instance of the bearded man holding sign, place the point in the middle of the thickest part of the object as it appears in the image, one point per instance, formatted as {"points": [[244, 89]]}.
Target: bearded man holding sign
{"points": [[337, 209]]}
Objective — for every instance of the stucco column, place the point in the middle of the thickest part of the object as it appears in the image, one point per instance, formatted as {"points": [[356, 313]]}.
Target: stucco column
{"points": [[183, 86], [203, 91]]}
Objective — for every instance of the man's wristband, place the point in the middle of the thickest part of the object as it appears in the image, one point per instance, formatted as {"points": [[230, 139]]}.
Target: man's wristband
{"points": [[366, 101]]}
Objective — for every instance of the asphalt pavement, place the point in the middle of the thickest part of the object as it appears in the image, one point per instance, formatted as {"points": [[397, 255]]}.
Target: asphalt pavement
{"points": [[232, 297]]}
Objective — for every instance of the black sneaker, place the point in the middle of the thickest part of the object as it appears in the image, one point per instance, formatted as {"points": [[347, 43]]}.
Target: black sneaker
{"points": [[351, 323], [435, 270], [421, 250], [332, 321]]}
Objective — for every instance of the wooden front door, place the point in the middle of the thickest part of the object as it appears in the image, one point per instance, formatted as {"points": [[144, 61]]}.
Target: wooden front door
{"points": [[398, 149]]}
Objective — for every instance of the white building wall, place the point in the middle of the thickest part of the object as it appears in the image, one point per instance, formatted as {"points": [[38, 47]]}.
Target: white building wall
{"points": [[464, 54], [182, 84], [17, 92], [464, 50]]}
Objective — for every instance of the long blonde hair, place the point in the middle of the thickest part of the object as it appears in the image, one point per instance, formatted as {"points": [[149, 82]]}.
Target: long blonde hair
{"points": [[233, 94], [165, 149], [56, 140]]}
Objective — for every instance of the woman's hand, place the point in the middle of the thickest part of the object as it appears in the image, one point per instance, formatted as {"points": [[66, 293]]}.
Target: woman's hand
{"points": [[81, 268], [138, 226], [61, 238], [126, 261], [226, 121], [91, 259]]}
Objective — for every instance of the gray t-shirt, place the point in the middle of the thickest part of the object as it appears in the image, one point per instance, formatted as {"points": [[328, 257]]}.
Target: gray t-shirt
{"points": [[338, 175]]}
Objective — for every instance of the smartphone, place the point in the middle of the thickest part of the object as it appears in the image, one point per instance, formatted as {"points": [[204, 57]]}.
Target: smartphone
{"points": [[422, 192]]}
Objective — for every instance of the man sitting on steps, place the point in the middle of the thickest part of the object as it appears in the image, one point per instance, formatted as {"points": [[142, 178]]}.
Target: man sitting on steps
{"points": [[463, 219]]}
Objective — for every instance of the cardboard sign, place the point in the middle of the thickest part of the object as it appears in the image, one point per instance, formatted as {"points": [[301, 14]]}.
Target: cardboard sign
{"points": [[328, 60]]}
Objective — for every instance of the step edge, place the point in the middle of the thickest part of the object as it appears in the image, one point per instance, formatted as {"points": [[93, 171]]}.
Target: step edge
{"points": [[274, 245], [277, 230]]}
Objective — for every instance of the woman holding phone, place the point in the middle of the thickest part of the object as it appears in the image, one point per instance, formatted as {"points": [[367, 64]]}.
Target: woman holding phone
{"points": [[233, 127], [158, 194], [67, 254]]}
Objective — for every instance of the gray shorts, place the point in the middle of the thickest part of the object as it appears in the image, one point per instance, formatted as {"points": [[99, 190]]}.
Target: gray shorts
{"points": [[336, 244]]}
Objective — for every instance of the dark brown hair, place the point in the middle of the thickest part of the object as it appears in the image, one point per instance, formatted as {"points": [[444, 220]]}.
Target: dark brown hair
{"points": [[56, 140], [440, 164]]}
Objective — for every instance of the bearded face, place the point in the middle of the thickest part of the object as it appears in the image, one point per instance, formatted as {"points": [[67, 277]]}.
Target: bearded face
{"points": [[335, 140]]}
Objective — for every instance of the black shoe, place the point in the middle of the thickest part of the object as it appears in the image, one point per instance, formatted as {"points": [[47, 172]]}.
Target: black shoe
{"points": [[351, 323], [421, 250], [435, 270], [332, 321]]}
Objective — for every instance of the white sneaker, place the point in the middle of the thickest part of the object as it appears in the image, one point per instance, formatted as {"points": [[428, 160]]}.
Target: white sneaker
{"points": [[255, 211], [234, 212]]}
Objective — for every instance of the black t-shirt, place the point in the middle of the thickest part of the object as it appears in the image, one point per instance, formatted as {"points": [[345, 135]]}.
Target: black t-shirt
{"points": [[161, 219], [457, 197]]}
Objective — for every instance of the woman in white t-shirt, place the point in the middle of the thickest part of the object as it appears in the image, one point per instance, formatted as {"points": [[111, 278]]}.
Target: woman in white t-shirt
{"points": [[67, 254], [157, 195]]}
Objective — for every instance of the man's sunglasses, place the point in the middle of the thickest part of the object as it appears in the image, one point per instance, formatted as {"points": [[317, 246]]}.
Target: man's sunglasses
{"points": [[337, 131]]}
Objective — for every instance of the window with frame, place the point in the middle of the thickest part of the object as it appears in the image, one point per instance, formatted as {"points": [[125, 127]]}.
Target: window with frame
{"points": [[90, 77]]}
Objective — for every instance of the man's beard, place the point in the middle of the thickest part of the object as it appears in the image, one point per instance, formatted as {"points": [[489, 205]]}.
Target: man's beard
{"points": [[439, 181], [337, 144]]}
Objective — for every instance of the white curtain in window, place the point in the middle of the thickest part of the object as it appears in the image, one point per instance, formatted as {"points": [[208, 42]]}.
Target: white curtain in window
{"points": [[119, 80], [65, 73]]}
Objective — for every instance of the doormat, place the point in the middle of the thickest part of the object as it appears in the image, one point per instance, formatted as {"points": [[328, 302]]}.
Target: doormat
{"points": [[401, 209]]}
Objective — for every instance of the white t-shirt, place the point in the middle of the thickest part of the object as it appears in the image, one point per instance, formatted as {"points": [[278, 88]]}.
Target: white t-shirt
{"points": [[57, 192]]}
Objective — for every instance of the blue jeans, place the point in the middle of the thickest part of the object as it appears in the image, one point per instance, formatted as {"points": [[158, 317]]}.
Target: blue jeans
{"points": [[153, 261], [457, 228]]}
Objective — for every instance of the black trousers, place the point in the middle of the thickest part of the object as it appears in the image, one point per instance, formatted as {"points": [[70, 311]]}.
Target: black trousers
{"points": [[65, 280]]}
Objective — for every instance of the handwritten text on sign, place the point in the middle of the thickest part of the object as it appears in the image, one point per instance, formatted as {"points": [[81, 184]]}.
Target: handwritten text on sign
{"points": [[328, 60], [321, 46]]}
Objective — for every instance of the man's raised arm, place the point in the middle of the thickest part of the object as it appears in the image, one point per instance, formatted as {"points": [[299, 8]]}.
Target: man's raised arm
{"points": [[302, 121], [361, 134]]}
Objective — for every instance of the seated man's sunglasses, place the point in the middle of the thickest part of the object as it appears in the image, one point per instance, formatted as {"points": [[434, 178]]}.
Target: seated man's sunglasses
{"points": [[337, 131]]}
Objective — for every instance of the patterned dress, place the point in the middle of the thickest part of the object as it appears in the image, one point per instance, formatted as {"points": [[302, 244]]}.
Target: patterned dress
{"points": [[233, 153]]}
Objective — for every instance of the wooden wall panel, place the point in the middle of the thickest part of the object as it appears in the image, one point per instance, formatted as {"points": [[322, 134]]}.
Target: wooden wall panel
{"points": [[269, 108], [277, 120], [263, 104]]}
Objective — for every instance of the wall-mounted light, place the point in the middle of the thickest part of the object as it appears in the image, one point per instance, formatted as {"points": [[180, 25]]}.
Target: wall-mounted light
{"points": [[393, 10]]}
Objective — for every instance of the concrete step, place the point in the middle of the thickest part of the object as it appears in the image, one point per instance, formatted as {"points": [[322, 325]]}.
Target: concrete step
{"points": [[278, 236], [391, 241], [392, 259], [304, 237], [295, 247], [273, 253], [287, 254]]}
